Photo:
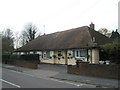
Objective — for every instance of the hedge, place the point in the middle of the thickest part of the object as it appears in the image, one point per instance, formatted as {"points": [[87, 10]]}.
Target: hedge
{"points": [[5, 58], [14, 58], [29, 57]]}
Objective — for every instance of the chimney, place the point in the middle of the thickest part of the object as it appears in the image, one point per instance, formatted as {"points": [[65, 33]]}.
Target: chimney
{"points": [[92, 26]]}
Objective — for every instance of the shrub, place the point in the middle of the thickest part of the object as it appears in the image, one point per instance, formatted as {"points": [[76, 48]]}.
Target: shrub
{"points": [[29, 57], [112, 51], [5, 58]]}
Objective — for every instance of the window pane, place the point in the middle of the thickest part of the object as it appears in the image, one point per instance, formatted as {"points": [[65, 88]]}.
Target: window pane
{"points": [[73, 53], [83, 53], [44, 55], [77, 53], [48, 54], [59, 53]]}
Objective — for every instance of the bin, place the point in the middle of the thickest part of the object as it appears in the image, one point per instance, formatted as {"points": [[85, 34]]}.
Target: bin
{"points": [[80, 61], [77, 62]]}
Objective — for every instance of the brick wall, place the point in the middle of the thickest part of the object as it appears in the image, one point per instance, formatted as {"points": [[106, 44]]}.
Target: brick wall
{"points": [[97, 70], [27, 64]]}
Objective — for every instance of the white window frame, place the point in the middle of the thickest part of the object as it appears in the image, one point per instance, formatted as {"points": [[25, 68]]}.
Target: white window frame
{"points": [[44, 55], [22, 53], [79, 53], [14, 53], [31, 52], [38, 52]]}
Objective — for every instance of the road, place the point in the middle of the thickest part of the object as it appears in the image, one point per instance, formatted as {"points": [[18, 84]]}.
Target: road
{"points": [[50, 76], [13, 79]]}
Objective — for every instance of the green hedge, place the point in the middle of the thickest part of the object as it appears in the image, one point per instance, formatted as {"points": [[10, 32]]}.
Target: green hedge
{"points": [[112, 52], [5, 58], [13, 58], [29, 57]]}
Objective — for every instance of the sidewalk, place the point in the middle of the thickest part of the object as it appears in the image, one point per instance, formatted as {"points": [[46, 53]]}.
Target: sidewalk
{"points": [[59, 72]]}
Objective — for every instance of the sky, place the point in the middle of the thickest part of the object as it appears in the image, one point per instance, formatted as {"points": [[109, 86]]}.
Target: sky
{"points": [[58, 15]]}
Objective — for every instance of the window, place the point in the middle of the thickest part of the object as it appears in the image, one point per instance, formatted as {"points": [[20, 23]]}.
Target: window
{"points": [[80, 53], [77, 53], [46, 54], [59, 53], [14, 53], [34, 52], [38, 52], [21, 53], [31, 52]]}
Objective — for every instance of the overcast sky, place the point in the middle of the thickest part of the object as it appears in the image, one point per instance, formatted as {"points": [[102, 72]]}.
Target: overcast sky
{"points": [[58, 15]]}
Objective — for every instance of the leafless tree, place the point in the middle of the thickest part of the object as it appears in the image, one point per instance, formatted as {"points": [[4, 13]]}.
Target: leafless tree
{"points": [[17, 40], [7, 41], [29, 33]]}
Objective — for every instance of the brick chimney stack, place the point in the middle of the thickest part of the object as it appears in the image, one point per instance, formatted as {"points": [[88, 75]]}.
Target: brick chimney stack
{"points": [[92, 26]]}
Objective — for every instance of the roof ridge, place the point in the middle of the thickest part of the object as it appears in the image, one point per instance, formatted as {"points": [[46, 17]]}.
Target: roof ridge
{"points": [[64, 30]]}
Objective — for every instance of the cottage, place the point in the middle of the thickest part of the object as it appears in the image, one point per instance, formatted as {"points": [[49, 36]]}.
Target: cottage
{"points": [[67, 46]]}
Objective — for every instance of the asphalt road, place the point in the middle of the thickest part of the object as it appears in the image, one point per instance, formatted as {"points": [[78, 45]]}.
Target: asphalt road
{"points": [[13, 79]]}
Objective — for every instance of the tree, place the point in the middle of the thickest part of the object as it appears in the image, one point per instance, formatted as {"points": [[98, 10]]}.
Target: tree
{"points": [[115, 34], [7, 41], [17, 40], [105, 32], [112, 51], [29, 33]]}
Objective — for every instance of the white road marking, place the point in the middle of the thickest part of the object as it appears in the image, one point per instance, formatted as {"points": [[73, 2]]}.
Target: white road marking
{"points": [[10, 83], [78, 85]]}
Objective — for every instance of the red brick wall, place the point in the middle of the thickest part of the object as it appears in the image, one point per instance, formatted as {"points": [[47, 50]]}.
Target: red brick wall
{"points": [[98, 70], [26, 64]]}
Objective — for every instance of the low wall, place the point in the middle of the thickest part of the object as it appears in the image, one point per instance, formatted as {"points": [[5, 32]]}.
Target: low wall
{"points": [[27, 64], [97, 70]]}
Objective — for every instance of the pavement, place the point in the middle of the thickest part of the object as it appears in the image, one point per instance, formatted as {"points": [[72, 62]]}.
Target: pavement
{"points": [[59, 72]]}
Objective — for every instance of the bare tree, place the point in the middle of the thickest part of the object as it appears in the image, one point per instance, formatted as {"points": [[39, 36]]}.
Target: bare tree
{"points": [[29, 33], [17, 40], [105, 32], [7, 41]]}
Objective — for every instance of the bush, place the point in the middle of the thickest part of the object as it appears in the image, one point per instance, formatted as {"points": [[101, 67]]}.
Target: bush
{"points": [[6, 53], [29, 57], [5, 58], [112, 51], [103, 55]]}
